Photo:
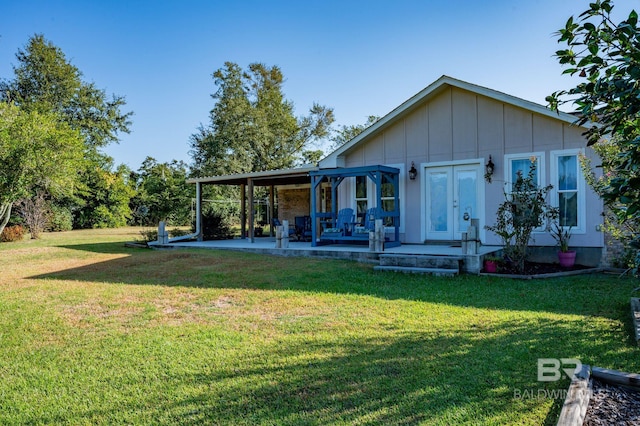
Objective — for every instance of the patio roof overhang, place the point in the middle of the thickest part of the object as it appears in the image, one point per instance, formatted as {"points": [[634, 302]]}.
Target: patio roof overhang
{"points": [[308, 175], [268, 178], [299, 175]]}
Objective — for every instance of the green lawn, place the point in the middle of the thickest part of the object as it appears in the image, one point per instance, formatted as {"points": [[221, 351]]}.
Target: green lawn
{"points": [[95, 333]]}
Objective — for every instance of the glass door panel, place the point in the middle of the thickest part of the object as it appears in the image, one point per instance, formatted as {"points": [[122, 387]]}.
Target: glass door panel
{"points": [[465, 198], [452, 201], [439, 203]]}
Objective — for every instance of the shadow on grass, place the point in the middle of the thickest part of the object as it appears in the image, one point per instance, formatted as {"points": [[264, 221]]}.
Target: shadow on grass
{"points": [[462, 378], [436, 375], [597, 295]]}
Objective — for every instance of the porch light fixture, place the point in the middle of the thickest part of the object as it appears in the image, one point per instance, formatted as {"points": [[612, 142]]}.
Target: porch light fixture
{"points": [[413, 172], [488, 170]]}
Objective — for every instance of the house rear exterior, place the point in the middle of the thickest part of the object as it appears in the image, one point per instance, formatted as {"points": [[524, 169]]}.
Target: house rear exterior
{"points": [[436, 148], [448, 132]]}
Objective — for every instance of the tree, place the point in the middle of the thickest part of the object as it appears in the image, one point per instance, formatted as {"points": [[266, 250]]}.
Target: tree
{"points": [[36, 213], [345, 133], [37, 150], [46, 82], [253, 127], [606, 56], [162, 193], [103, 201], [616, 222]]}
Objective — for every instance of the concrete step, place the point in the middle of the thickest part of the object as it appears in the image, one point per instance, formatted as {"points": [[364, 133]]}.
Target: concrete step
{"points": [[421, 261], [438, 272]]}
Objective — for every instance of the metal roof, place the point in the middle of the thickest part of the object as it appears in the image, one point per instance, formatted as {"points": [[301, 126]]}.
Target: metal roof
{"points": [[265, 178]]}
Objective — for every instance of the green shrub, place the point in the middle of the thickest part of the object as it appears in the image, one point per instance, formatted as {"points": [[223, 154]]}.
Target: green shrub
{"points": [[60, 219], [215, 226], [149, 235], [12, 233], [177, 232], [524, 209]]}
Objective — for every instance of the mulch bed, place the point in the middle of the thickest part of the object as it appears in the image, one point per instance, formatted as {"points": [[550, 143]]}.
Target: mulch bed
{"points": [[534, 268], [612, 405]]}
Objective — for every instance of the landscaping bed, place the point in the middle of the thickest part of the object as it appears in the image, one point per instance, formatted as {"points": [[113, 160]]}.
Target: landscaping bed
{"points": [[598, 396], [542, 270], [612, 405]]}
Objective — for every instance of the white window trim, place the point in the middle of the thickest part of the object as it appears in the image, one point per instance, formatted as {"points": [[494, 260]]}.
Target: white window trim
{"points": [[582, 209], [508, 172], [371, 195], [524, 156]]}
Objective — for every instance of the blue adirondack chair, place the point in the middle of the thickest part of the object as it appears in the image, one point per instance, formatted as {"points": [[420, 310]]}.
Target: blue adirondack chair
{"points": [[303, 228], [368, 224], [370, 219], [342, 224]]}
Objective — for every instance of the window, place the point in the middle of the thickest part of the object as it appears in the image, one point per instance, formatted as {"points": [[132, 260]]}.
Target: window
{"points": [[363, 191], [568, 185], [361, 195], [521, 164], [388, 199]]}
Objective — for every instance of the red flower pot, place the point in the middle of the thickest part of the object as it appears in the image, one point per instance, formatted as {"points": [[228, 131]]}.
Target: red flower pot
{"points": [[490, 266], [567, 258]]}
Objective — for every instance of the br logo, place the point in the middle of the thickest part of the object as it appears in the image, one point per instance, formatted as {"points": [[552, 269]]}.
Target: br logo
{"points": [[549, 369]]}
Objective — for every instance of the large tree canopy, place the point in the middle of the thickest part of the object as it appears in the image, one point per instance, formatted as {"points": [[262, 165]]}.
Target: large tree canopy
{"points": [[345, 133], [253, 127], [36, 150], [46, 81], [162, 193], [606, 56]]}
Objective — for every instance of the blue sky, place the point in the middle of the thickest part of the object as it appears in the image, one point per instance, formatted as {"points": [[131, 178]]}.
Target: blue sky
{"points": [[359, 57]]}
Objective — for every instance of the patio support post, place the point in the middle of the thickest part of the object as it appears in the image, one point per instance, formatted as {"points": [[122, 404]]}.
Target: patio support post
{"points": [[243, 212], [199, 210], [396, 204], [251, 212], [334, 199], [315, 184], [378, 182], [271, 209]]}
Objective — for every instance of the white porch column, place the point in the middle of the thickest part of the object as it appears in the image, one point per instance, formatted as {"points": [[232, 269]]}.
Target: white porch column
{"points": [[199, 211]]}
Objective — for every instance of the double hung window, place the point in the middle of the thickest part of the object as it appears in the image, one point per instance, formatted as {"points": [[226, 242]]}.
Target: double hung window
{"points": [[568, 189]]}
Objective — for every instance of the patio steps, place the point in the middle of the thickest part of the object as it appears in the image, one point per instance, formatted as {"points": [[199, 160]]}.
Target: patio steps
{"points": [[420, 264]]}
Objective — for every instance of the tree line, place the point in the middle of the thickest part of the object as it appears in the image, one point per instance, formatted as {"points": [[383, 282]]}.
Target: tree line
{"points": [[54, 126]]}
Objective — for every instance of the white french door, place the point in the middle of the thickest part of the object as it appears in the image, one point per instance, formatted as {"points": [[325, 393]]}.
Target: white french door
{"points": [[452, 200]]}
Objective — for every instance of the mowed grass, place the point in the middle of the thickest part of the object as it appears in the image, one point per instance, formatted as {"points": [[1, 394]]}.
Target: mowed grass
{"points": [[92, 332]]}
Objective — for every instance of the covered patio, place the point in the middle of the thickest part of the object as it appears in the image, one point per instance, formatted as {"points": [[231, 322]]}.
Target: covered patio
{"points": [[385, 180], [247, 183]]}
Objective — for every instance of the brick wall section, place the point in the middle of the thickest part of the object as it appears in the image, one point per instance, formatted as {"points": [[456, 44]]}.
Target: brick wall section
{"points": [[613, 252], [293, 202]]}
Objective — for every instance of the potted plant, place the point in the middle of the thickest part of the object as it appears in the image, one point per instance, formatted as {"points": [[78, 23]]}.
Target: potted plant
{"points": [[491, 264], [566, 257]]}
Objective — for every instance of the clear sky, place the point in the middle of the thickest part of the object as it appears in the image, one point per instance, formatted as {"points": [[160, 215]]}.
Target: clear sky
{"points": [[359, 57]]}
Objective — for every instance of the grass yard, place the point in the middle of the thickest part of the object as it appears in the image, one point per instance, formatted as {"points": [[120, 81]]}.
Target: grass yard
{"points": [[92, 332]]}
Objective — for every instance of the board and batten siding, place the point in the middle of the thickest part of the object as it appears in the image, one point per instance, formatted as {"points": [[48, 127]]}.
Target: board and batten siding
{"points": [[455, 125]]}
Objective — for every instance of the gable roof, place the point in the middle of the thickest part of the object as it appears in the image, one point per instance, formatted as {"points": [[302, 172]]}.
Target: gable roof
{"points": [[332, 160]]}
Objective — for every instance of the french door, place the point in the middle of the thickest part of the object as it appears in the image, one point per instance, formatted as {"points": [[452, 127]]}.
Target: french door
{"points": [[452, 200]]}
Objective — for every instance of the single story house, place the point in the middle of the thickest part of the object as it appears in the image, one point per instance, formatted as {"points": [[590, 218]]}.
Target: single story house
{"points": [[444, 157]]}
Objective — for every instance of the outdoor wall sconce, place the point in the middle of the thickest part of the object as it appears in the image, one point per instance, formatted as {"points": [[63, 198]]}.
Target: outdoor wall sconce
{"points": [[413, 172], [488, 170]]}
